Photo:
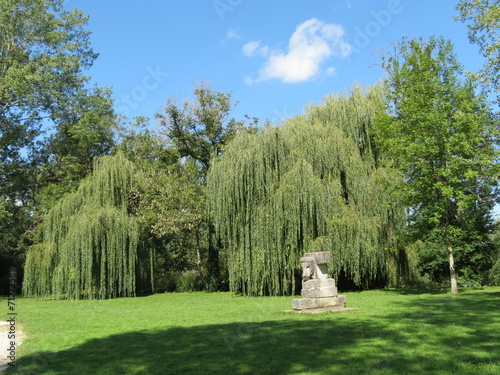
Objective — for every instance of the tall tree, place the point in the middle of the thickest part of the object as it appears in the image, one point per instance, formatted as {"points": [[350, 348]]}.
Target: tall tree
{"points": [[483, 18], [91, 244], [85, 129], [43, 51], [169, 205], [199, 130], [312, 184], [444, 138]]}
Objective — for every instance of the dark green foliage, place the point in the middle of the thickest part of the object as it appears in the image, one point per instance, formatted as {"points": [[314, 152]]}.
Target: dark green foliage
{"points": [[313, 184], [474, 260], [493, 275], [190, 281], [44, 50], [169, 205], [8, 261], [14, 221], [494, 272], [199, 130], [84, 131]]}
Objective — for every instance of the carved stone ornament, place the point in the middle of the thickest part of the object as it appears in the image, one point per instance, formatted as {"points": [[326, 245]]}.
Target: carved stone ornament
{"points": [[319, 292]]}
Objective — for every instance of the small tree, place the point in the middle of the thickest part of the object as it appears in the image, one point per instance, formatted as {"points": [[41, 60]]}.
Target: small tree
{"points": [[169, 205], [443, 137]]}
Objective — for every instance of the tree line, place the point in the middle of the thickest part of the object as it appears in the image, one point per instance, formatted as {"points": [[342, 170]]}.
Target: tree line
{"points": [[397, 180]]}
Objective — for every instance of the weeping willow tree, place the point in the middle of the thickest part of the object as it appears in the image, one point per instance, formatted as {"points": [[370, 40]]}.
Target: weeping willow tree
{"points": [[91, 245], [313, 184]]}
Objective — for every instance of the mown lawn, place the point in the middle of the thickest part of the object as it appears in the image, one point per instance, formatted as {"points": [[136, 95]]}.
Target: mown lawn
{"points": [[395, 332]]}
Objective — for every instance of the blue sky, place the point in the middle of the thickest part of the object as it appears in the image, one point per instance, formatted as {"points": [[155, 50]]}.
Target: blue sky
{"points": [[275, 56]]}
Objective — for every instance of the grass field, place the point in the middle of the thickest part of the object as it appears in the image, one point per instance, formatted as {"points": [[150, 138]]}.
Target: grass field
{"points": [[395, 332]]}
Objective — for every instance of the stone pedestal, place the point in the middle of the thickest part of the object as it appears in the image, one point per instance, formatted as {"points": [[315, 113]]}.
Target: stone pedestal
{"points": [[319, 292]]}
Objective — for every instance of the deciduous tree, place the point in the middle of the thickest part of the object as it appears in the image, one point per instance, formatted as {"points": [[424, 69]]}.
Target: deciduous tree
{"points": [[43, 52], [199, 130], [444, 138], [313, 184], [91, 244], [84, 130]]}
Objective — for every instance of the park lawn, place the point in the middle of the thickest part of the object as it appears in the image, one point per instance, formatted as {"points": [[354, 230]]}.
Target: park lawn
{"points": [[395, 332]]}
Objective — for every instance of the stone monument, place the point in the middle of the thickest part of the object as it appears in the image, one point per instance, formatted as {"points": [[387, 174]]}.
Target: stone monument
{"points": [[319, 292]]}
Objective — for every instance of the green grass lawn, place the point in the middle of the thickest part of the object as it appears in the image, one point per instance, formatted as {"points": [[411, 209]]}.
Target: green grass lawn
{"points": [[396, 332]]}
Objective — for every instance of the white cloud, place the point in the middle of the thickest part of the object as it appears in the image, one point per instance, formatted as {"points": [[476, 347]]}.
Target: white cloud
{"points": [[252, 49], [230, 34], [248, 81], [312, 43], [331, 71]]}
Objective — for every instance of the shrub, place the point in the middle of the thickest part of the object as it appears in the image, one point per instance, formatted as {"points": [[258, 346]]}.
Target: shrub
{"points": [[190, 281], [165, 282], [494, 273]]}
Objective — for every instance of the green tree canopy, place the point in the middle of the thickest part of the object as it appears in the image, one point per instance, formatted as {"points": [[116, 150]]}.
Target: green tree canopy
{"points": [[312, 184], [91, 244], [43, 52], [169, 205], [483, 18], [199, 130], [85, 130], [444, 138]]}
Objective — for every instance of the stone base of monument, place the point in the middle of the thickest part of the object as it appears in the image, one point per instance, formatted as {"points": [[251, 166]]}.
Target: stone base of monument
{"points": [[319, 292], [319, 295]]}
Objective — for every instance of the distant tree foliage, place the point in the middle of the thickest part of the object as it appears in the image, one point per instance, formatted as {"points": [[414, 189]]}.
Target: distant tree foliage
{"points": [[85, 130], [483, 19], [90, 245], [312, 184], [169, 205], [199, 130]]}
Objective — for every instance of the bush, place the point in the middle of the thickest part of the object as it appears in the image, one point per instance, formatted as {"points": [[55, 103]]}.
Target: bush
{"points": [[165, 282], [187, 281], [190, 281], [494, 273]]}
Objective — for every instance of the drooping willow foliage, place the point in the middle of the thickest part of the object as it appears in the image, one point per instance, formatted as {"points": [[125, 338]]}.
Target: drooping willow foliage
{"points": [[312, 184], [90, 245]]}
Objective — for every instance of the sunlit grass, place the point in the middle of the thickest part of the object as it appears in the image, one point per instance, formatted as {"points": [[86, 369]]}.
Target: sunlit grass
{"points": [[395, 332]]}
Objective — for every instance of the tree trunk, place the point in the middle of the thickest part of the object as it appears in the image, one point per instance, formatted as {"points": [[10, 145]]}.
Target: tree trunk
{"points": [[213, 260], [454, 288]]}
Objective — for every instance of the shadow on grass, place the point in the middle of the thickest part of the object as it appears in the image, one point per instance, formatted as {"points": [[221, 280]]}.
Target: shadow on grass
{"points": [[418, 290], [413, 342], [239, 348]]}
